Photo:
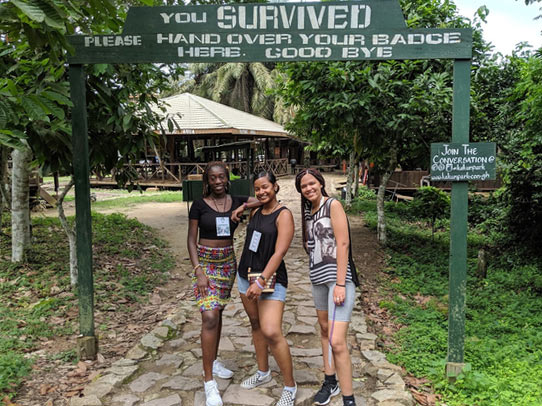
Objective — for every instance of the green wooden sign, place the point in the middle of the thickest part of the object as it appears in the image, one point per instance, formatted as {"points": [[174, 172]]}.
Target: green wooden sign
{"points": [[357, 30], [463, 162], [326, 31]]}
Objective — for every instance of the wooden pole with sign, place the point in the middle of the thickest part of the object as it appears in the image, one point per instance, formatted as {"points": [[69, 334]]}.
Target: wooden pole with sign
{"points": [[458, 226], [275, 32], [87, 342]]}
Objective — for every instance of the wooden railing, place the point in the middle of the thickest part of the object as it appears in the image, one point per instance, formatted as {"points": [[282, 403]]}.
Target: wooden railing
{"points": [[178, 171], [278, 166]]}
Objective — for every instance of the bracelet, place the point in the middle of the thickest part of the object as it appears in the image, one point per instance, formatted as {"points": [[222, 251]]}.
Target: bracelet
{"points": [[196, 267], [341, 286], [263, 278], [258, 284], [245, 205]]}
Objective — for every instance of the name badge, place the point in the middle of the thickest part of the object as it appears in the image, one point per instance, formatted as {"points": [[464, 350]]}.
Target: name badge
{"points": [[255, 241], [223, 227]]}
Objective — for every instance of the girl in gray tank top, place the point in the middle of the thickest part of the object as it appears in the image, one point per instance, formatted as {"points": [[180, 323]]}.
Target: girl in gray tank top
{"points": [[332, 273]]}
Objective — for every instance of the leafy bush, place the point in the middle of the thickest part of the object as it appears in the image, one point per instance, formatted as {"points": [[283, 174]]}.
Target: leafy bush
{"points": [[364, 193], [432, 203], [13, 367]]}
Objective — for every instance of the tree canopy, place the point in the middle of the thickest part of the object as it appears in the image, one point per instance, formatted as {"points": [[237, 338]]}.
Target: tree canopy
{"points": [[34, 104]]}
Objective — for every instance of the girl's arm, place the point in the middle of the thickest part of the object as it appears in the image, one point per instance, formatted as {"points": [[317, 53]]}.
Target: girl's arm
{"points": [[285, 227], [202, 280], [251, 203], [339, 222]]}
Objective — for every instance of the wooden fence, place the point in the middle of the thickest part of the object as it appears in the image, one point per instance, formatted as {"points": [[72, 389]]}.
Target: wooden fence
{"points": [[174, 173]]}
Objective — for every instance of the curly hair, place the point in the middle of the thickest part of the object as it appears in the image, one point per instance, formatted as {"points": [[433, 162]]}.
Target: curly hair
{"points": [[210, 165], [305, 203]]}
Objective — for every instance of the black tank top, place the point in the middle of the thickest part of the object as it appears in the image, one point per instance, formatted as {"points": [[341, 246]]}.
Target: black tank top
{"points": [[265, 224]]}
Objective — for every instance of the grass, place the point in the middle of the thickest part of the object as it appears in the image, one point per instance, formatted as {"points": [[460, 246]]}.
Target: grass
{"points": [[136, 198], [121, 198], [38, 302], [503, 343]]}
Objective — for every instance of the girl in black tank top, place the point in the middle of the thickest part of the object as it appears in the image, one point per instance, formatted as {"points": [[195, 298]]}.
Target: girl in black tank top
{"points": [[269, 234], [265, 225]]}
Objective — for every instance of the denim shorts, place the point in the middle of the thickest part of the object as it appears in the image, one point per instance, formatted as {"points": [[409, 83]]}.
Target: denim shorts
{"points": [[323, 300], [278, 294]]}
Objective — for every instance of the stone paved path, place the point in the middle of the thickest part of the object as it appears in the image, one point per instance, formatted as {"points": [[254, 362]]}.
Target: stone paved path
{"points": [[165, 369]]}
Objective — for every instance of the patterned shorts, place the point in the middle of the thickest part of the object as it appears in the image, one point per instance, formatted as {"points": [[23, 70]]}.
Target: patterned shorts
{"points": [[220, 266]]}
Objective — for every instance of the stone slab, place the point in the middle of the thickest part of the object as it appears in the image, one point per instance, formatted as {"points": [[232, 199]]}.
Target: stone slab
{"points": [[182, 383], [151, 341], [85, 401], [146, 381], [172, 400], [236, 395], [127, 399]]}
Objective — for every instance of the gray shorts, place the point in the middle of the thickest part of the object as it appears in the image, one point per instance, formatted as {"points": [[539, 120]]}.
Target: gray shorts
{"points": [[323, 300]]}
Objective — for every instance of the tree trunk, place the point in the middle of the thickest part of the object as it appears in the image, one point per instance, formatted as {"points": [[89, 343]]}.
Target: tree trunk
{"points": [[70, 232], [20, 208], [349, 178], [381, 222], [5, 200], [356, 179]]}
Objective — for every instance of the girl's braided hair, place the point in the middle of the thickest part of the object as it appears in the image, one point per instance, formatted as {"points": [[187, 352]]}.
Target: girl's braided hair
{"points": [[305, 203], [214, 164]]}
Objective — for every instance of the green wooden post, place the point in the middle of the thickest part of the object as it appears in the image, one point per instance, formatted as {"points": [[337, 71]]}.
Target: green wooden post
{"points": [[87, 342], [458, 225]]}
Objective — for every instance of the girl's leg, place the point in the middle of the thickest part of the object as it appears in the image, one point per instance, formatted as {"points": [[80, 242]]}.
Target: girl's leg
{"points": [[342, 356], [271, 321], [219, 330], [210, 322], [260, 345], [324, 338]]}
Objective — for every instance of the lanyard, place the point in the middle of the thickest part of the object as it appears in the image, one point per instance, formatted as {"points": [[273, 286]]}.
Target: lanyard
{"points": [[329, 354]]}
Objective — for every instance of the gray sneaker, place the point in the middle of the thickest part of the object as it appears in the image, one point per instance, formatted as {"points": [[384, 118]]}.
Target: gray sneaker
{"points": [[256, 380]]}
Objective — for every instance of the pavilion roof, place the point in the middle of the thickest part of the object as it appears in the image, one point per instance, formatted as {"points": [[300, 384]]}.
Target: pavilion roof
{"points": [[199, 116]]}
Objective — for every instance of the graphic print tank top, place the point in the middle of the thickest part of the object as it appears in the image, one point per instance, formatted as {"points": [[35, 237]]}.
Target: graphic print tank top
{"points": [[322, 246]]}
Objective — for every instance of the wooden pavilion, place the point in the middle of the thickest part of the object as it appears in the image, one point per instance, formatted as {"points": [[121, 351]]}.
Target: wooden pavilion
{"points": [[191, 124]]}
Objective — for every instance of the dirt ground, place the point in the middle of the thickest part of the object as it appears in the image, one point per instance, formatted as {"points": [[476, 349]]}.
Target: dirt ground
{"points": [[52, 383]]}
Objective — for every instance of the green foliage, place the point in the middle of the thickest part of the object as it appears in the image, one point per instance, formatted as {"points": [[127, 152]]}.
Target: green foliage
{"points": [[364, 193], [129, 262], [521, 158], [34, 88], [13, 367], [503, 321], [432, 203]]}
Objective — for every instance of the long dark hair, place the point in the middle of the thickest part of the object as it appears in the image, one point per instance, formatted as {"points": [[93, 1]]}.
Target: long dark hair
{"points": [[270, 176], [305, 203], [214, 164]]}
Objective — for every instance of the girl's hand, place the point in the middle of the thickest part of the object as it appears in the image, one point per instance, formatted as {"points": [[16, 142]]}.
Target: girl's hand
{"points": [[253, 292], [237, 213], [202, 282], [339, 295]]}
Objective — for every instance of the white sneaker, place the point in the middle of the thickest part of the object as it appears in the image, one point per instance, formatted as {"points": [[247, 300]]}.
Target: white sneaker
{"points": [[220, 370], [287, 398], [212, 395], [256, 380]]}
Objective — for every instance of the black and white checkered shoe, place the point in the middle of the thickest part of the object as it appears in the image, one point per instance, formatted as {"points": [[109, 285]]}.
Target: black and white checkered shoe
{"points": [[256, 380], [287, 398]]}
